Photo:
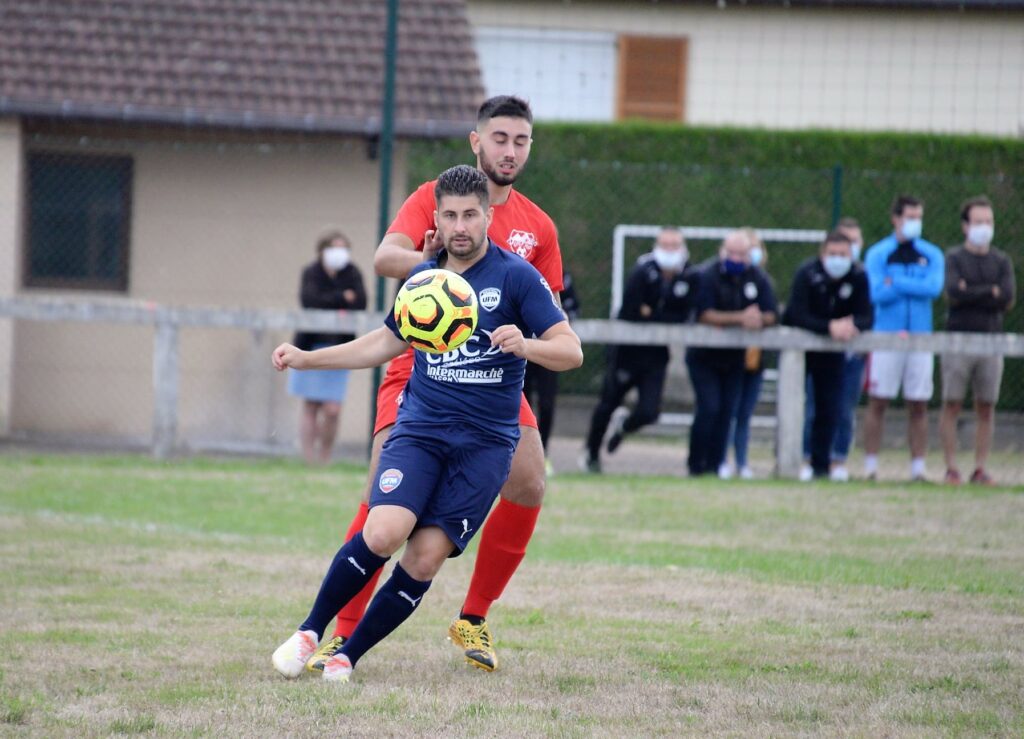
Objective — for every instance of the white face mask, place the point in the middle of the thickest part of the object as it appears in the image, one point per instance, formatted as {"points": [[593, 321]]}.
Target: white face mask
{"points": [[911, 229], [855, 251], [756, 256], [836, 266], [980, 235], [336, 258], [670, 261]]}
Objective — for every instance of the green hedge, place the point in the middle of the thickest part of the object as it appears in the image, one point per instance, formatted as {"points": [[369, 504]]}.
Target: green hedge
{"points": [[590, 178]]}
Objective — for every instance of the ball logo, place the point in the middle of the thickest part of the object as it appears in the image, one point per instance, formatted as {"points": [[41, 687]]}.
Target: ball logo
{"points": [[845, 291], [750, 291], [680, 289], [522, 243], [389, 480], [489, 298]]}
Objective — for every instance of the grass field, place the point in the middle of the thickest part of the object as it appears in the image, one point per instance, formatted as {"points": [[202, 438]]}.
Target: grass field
{"points": [[146, 598]]}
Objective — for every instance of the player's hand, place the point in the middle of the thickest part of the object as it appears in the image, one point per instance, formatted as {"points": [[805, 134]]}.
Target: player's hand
{"points": [[752, 320], [509, 339], [287, 355], [432, 244], [842, 329]]}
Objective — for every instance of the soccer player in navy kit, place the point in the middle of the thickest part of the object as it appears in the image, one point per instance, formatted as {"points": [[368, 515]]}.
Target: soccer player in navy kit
{"points": [[450, 450]]}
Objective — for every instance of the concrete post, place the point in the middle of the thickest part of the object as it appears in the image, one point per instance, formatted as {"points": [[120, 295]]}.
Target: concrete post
{"points": [[165, 389], [790, 413], [11, 204]]}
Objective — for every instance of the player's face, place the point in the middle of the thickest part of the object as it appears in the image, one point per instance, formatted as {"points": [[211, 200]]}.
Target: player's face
{"points": [[736, 248], [836, 249], [502, 146], [462, 224], [910, 213]]}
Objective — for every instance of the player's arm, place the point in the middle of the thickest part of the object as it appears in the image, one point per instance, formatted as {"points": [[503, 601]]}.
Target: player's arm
{"points": [[396, 256], [369, 350], [558, 348]]}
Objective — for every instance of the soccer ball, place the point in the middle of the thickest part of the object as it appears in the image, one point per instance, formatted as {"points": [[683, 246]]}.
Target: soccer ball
{"points": [[436, 311]]}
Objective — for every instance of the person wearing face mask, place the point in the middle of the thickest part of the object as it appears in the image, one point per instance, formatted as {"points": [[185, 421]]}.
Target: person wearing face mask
{"points": [[830, 296], [852, 383], [332, 282], [980, 290], [730, 293], [906, 274], [658, 290], [750, 389]]}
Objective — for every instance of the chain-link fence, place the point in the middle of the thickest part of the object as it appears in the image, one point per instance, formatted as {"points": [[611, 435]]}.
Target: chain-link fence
{"points": [[203, 223], [589, 198]]}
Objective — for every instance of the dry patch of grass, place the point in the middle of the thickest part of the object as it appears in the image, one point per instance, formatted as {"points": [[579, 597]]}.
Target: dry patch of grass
{"points": [[646, 607]]}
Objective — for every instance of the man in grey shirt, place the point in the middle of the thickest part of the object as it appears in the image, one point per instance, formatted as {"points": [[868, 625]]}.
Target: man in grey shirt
{"points": [[980, 290]]}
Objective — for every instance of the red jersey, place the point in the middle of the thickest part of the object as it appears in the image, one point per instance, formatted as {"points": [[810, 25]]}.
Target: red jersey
{"points": [[519, 225]]}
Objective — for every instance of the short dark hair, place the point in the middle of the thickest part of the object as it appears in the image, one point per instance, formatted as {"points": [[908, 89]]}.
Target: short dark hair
{"points": [[462, 180], [965, 208], [848, 222], [836, 237], [507, 106], [904, 201], [329, 237]]}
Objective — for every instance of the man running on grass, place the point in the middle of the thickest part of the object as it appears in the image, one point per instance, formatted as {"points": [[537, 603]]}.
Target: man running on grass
{"points": [[501, 142]]}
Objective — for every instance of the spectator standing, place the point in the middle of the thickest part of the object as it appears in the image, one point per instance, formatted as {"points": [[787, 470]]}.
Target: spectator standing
{"points": [[541, 384], [980, 289], [750, 390], [332, 282], [851, 385], [658, 290], [906, 274], [731, 292], [830, 296]]}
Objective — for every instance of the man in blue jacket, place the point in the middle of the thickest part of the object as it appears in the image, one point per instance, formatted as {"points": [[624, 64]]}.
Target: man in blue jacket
{"points": [[906, 274]]}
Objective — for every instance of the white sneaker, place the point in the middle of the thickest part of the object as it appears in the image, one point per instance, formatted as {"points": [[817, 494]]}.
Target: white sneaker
{"points": [[839, 473], [746, 473], [724, 471], [806, 473], [290, 658], [338, 669]]}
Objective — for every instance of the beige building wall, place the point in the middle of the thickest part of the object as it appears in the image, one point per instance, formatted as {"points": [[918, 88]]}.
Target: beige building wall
{"points": [[10, 227], [213, 224], [863, 69]]}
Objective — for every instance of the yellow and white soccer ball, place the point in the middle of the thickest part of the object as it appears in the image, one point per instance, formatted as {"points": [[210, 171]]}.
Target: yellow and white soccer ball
{"points": [[436, 311]]}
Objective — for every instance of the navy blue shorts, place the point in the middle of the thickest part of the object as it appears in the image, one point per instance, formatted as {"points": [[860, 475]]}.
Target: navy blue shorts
{"points": [[446, 476]]}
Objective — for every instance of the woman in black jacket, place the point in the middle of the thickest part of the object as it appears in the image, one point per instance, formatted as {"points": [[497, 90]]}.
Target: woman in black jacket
{"points": [[332, 282]]}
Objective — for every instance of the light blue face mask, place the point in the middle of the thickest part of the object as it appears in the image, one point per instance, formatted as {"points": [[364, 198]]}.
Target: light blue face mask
{"points": [[836, 266], [911, 229], [756, 256], [855, 250]]}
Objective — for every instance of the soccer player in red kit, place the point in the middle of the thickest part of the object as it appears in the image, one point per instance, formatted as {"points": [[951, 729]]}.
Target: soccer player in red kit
{"points": [[501, 142]]}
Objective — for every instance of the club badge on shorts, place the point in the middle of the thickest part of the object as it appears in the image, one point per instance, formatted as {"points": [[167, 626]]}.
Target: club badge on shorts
{"points": [[389, 480]]}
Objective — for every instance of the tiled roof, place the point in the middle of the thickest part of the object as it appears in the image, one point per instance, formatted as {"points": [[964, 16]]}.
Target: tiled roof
{"points": [[288, 64]]}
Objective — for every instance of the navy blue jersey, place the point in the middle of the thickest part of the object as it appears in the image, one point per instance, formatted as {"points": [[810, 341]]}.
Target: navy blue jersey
{"points": [[476, 384]]}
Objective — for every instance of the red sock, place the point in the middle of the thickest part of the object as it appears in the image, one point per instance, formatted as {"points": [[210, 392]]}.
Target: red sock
{"points": [[350, 614], [502, 547]]}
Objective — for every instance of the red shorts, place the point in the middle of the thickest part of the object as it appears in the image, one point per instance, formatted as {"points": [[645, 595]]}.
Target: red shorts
{"points": [[391, 388]]}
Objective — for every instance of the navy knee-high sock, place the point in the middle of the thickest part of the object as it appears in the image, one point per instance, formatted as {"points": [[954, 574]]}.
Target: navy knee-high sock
{"points": [[393, 603], [351, 569]]}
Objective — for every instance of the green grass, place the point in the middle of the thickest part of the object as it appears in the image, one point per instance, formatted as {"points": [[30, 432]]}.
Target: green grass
{"points": [[647, 606]]}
